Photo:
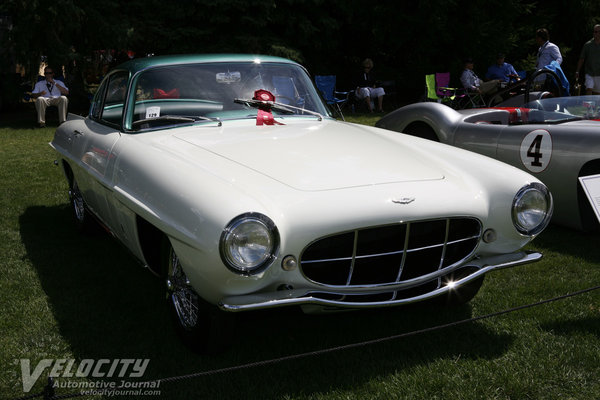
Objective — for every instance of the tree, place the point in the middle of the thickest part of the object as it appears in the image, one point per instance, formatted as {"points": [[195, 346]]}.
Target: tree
{"points": [[405, 39]]}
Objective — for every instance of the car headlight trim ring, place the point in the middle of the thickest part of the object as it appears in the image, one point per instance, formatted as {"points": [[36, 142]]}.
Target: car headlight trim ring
{"points": [[249, 243], [532, 209]]}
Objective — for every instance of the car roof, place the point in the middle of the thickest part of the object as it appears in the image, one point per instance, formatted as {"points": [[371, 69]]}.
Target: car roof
{"points": [[138, 64]]}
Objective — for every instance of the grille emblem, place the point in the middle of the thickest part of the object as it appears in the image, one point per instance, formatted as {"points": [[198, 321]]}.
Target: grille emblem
{"points": [[403, 200]]}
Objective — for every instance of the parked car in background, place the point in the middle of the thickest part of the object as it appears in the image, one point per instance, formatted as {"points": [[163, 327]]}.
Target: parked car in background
{"points": [[555, 139], [227, 176]]}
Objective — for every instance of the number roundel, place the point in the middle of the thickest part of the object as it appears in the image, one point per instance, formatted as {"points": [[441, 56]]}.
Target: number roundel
{"points": [[536, 150]]}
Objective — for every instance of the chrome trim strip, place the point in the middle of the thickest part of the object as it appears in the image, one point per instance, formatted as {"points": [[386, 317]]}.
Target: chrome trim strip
{"points": [[443, 256], [326, 260], [354, 247], [302, 297], [391, 253], [405, 252]]}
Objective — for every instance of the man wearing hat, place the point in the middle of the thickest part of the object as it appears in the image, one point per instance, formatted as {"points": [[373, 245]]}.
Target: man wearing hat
{"points": [[473, 83]]}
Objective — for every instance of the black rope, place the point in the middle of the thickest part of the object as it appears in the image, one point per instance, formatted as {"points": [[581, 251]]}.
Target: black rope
{"points": [[31, 396], [371, 342], [49, 389]]}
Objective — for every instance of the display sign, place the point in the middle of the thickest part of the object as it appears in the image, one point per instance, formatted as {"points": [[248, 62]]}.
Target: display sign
{"points": [[591, 187]]}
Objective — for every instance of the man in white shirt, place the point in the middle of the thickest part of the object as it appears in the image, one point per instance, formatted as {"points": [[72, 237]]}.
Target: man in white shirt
{"points": [[50, 92]]}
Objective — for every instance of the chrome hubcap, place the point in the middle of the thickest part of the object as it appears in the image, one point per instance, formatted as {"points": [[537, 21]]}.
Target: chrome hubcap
{"points": [[183, 297]]}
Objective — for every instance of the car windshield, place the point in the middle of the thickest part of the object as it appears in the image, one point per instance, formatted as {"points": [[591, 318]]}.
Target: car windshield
{"points": [[563, 109], [212, 91]]}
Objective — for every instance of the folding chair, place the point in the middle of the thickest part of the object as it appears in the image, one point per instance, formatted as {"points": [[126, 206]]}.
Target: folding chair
{"points": [[438, 89], [285, 91], [326, 84], [442, 86], [431, 89], [473, 100]]}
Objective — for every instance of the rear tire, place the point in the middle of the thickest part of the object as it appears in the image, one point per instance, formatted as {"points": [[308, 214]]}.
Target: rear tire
{"points": [[84, 221], [201, 326]]}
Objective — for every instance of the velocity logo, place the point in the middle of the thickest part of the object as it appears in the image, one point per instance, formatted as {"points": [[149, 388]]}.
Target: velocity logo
{"points": [[67, 368]]}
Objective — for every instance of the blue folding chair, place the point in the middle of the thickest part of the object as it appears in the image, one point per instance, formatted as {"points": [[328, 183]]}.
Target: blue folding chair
{"points": [[336, 99], [285, 91]]}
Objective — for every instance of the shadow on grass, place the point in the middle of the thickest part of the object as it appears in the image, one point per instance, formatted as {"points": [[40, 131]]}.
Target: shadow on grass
{"points": [[570, 242], [574, 326], [24, 116], [106, 306]]}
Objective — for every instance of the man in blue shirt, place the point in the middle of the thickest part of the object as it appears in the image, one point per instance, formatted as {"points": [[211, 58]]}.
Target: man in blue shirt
{"points": [[501, 71]]}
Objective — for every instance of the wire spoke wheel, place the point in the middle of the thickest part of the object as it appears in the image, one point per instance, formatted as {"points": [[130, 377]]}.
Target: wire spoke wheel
{"points": [[200, 325], [78, 204], [183, 297], [84, 221]]}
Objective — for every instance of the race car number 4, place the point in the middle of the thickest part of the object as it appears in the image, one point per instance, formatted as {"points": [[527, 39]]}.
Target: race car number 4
{"points": [[536, 150]]}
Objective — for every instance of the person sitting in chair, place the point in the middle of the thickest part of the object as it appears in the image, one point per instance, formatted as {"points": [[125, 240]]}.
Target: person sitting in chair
{"points": [[50, 92], [367, 87], [472, 83], [502, 71]]}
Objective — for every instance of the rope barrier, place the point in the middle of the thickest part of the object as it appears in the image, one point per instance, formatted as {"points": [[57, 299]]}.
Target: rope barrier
{"points": [[48, 392], [374, 341]]}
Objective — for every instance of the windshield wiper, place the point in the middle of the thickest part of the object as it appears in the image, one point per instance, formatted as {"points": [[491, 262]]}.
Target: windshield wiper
{"points": [[286, 108], [174, 118]]}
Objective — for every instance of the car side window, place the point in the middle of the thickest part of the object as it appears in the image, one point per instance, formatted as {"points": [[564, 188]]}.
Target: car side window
{"points": [[114, 101], [108, 103], [96, 106]]}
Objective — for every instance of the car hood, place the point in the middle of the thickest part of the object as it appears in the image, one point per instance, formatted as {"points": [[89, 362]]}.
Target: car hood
{"points": [[314, 156]]}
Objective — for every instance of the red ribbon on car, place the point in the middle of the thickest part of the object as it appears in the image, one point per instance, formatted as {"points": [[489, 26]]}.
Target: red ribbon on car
{"points": [[162, 94], [264, 116]]}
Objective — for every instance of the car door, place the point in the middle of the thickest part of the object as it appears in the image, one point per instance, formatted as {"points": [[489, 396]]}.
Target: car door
{"points": [[93, 140]]}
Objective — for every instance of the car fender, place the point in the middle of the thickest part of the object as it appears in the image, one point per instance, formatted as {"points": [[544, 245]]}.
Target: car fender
{"points": [[442, 119]]}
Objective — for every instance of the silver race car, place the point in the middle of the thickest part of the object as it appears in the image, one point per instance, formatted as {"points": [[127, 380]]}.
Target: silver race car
{"points": [[555, 139]]}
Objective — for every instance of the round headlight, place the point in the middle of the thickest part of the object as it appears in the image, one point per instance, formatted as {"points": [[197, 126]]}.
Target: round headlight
{"points": [[532, 209], [249, 243]]}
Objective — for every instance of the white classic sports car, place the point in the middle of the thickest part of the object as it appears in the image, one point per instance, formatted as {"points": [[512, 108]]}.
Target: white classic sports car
{"points": [[228, 177]]}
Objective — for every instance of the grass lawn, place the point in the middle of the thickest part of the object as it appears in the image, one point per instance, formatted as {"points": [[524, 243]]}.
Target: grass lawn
{"points": [[67, 296]]}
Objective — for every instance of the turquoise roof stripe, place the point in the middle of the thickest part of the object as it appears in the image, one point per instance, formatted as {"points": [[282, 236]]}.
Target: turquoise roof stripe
{"points": [[138, 64]]}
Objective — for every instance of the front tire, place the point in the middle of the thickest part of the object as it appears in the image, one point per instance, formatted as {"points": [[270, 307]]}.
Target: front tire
{"points": [[200, 325], [465, 293]]}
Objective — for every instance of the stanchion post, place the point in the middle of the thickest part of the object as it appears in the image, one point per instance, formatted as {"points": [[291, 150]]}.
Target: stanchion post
{"points": [[49, 389]]}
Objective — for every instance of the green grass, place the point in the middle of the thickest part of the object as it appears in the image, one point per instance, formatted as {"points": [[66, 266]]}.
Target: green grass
{"points": [[63, 295]]}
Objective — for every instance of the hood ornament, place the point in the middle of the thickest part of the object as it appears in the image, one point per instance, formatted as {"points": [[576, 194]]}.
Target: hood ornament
{"points": [[403, 200]]}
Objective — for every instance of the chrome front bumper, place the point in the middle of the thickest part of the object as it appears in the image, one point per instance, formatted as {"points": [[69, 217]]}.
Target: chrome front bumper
{"points": [[303, 296]]}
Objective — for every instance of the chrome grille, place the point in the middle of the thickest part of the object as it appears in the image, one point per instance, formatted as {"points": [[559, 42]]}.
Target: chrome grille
{"points": [[391, 253]]}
